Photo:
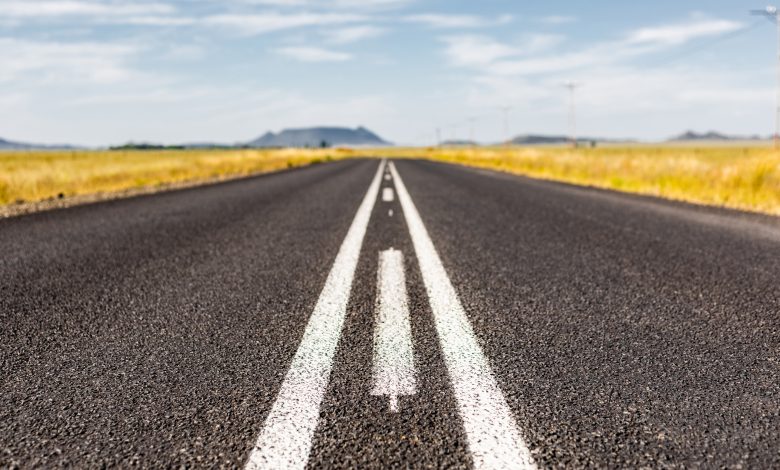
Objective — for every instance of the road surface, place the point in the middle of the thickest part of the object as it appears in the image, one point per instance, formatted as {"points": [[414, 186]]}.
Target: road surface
{"points": [[408, 314]]}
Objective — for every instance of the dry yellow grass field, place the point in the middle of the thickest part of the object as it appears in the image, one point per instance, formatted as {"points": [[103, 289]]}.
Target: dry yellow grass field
{"points": [[34, 176], [744, 178]]}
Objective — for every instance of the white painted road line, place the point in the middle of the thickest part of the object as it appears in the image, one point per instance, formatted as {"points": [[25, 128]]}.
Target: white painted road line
{"points": [[393, 358], [387, 176], [493, 437], [387, 194], [285, 440]]}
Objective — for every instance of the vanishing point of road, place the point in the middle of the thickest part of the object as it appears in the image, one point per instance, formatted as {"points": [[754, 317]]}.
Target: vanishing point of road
{"points": [[403, 314]]}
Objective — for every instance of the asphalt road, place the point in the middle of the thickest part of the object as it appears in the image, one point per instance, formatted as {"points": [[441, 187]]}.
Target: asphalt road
{"points": [[240, 324]]}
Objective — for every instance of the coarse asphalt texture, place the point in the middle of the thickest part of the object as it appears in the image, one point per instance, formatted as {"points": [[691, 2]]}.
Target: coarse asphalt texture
{"points": [[623, 331]]}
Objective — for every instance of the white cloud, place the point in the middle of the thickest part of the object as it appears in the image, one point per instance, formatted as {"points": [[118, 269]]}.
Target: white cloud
{"points": [[373, 4], [439, 20], [364, 4], [158, 95], [475, 51], [152, 20], [684, 32], [277, 3], [627, 101], [499, 58], [479, 51], [80, 61], [260, 23], [496, 91], [16, 12], [619, 93], [313, 54], [353, 34], [535, 43], [552, 63], [62, 8]]}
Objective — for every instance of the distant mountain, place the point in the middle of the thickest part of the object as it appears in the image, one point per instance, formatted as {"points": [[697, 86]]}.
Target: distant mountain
{"points": [[319, 137], [535, 139], [10, 145], [539, 139], [711, 135]]}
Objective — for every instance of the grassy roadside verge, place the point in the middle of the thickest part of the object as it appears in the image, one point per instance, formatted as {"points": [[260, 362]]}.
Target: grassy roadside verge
{"points": [[746, 178], [743, 178], [28, 177]]}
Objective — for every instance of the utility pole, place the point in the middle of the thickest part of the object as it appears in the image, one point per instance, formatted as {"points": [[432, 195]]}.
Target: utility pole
{"points": [[472, 121], [506, 110], [772, 15], [438, 137], [572, 86]]}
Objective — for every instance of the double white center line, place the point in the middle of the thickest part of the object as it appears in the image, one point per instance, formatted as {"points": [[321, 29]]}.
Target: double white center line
{"points": [[494, 440]]}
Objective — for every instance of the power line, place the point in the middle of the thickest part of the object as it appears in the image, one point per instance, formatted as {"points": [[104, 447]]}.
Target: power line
{"points": [[664, 61]]}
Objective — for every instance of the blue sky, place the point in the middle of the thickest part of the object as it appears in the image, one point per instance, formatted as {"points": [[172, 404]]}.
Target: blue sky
{"points": [[96, 72]]}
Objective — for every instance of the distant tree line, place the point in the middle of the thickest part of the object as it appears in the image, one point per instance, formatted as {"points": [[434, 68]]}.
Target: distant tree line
{"points": [[132, 146], [141, 146]]}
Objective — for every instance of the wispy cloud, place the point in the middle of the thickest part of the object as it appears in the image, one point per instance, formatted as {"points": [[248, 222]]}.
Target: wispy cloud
{"points": [[499, 58], [681, 33], [353, 33], [479, 50], [80, 61], [330, 4], [67, 8], [475, 51], [313, 54], [373, 4], [276, 3], [616, 82], [151, 20], [139, 13], [16, 13], [270, 22], [439, 20], [159, 95]]}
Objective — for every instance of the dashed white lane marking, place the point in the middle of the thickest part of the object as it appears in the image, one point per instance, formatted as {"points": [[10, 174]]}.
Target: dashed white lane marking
{"points": [[285, 440], [387, 195], [393, 358], [390, 212], [493, 437], [387, 176]]}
